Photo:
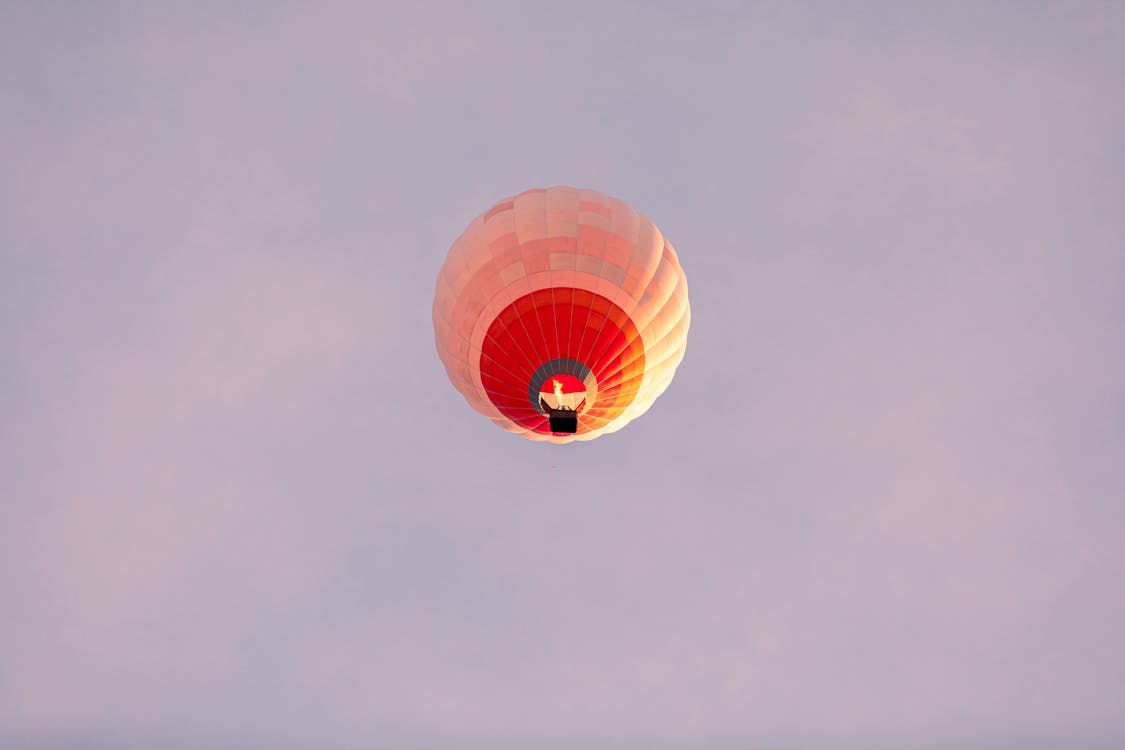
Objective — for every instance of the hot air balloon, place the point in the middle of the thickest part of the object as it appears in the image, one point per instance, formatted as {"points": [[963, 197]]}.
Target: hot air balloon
{"points": [[561, 314]]}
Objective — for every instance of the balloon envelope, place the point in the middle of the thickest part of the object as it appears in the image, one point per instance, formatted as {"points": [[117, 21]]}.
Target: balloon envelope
{"points": [[561, 314]]}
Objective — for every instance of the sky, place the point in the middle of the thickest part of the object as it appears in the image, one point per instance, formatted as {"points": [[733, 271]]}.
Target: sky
{"points": [[881, 505]]}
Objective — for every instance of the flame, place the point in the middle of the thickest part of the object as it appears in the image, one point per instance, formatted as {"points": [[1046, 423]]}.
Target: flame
{"points": [[558, 389]]}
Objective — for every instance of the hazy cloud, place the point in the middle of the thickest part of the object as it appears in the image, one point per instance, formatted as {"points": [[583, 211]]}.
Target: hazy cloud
{"points": [[879, 506]]}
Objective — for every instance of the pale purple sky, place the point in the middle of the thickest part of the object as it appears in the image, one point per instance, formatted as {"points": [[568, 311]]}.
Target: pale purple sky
{"points": [[881, 506]]}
